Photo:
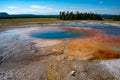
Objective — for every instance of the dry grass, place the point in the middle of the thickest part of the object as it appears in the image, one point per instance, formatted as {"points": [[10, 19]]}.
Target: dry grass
{"points": [[6, 24], [27, 20]]}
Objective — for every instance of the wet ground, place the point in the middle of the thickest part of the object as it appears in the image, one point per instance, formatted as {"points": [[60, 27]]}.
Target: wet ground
{"points": [[82, 58]]}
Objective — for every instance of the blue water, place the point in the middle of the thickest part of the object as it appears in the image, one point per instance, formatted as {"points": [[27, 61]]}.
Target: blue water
{"points": [[60, 33], [106, 28], [56, 33]]}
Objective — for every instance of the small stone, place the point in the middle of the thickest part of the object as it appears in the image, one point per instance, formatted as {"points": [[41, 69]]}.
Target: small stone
{"points": [[59, 58], [72, 73], [50, 65], [75, 66], [70, 58], [33, 51]]}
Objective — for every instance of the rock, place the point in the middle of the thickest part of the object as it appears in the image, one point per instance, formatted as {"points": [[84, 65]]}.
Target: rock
{"points": [[70, 58], [50, 65], [33, 51], [72, 73], [59, 58], [75, 66]]}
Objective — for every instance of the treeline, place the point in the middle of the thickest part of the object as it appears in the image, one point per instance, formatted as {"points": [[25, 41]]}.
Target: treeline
{"points": [[113, 18], [78, 16]]}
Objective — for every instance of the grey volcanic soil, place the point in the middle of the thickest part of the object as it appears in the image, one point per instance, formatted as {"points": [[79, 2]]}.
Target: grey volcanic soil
{"points": [[22, 60]]}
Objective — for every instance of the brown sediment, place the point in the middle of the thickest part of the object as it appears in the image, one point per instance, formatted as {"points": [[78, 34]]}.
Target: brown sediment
{"points": [[94, 45]]}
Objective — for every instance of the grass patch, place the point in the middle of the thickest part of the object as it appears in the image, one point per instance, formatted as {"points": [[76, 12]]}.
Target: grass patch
{"points": [[17, 22], [27, 20]]}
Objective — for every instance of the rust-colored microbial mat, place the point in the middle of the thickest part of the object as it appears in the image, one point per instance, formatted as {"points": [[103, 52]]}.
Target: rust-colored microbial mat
{"points": [[94, 45]]}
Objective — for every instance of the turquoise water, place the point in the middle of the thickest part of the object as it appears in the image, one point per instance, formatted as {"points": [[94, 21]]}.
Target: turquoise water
{"points": [[106, 28], [56, 33]]}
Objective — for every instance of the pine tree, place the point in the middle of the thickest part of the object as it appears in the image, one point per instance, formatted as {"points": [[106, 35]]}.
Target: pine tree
{"points": [[80, 16]]}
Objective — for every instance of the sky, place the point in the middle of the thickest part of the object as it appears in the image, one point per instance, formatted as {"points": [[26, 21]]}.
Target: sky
{"points": [[45, 7]]}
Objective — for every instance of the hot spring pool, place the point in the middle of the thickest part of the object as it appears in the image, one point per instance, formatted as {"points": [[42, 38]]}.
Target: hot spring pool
{"points": [[56, 33]]}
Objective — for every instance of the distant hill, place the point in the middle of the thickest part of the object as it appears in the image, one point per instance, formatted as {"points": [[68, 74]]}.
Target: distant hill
{"points": [[3, 14], [6, 15], [32, 16]]}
